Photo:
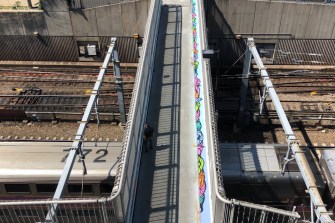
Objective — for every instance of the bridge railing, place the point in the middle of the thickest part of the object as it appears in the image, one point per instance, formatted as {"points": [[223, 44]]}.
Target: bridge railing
{"points": [[224, 209], [119, 206], [69, 211], [124, 190]]}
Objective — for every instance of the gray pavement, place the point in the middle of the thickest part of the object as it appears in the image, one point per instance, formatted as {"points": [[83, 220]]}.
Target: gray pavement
{"points": [[167, 186]]}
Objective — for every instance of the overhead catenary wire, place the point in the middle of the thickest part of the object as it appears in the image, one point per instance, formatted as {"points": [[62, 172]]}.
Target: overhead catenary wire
{"points": [[234, 63]]}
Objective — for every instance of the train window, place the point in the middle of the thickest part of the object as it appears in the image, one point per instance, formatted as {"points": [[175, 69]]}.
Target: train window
{"points": [[25, 212], [4, 212], [17, 188], [77, 188], [106, 188], [46, 188], [80, 213], [106, 185]]}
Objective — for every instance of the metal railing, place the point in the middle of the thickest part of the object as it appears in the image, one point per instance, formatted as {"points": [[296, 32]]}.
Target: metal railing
{"points": [[227, 210], [69, 210], [119, 206]]}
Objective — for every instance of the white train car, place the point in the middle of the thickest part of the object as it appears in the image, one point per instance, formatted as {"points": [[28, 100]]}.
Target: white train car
{"points": [[32, 169]]}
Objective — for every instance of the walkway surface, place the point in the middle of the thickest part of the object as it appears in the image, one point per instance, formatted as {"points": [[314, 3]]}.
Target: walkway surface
{"points": [[168, 181]]}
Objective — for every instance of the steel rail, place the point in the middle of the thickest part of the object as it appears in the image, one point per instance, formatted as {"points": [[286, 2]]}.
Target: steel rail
{"points": [[37, 106], [53, 81], [57, 96], [283, 101]]}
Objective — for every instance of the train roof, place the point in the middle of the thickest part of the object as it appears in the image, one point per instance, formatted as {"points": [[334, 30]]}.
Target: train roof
{"points": [[39, 162]]}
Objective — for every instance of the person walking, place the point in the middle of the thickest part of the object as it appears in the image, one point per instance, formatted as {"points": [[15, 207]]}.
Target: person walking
{"points": [[147, 134]]}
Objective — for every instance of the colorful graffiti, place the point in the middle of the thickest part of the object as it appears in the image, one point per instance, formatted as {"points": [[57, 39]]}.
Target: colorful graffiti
{"points": [[198, 107]]}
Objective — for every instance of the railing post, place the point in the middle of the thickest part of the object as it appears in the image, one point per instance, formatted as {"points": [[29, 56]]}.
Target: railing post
{"points": [[119, 87], [76, 148], [104, 212], [232, 213], [244, 88]]}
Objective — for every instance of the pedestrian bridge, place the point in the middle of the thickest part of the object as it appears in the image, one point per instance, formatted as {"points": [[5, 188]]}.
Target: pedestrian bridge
{"points": [[180, 179]]}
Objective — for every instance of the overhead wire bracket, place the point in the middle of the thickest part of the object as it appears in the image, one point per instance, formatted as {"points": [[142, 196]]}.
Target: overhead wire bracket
{"points": [[305, 170], [76, 147]]}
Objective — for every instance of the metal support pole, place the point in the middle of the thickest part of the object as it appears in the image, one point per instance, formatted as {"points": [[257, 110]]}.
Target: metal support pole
{"points": [[96, 110], [262, 99], [244, 87], [293, 143], [312, 212], [30, 5], [78, 140], [119, 87]]}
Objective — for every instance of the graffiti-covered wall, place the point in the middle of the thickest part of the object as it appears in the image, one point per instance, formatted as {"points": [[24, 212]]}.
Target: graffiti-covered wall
{"points": [[205, 215]]}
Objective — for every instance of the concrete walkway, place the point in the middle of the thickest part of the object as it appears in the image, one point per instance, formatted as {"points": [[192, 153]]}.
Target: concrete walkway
{"points": [[168, 181]]}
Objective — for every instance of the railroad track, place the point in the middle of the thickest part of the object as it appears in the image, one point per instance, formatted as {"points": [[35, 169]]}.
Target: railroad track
{"points": [[284, 86], [51, 139], [287, 79], [305, 95], [49, 93], [301, 110], [61, 104]]}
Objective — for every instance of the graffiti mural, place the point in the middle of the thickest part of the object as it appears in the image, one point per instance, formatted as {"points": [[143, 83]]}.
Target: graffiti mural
{"points": [[199, 116]]}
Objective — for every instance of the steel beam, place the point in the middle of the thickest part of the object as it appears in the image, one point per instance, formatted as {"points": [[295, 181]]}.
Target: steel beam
{"points": [[306, 172], [78, 139], [119, 87], [244, 87]]}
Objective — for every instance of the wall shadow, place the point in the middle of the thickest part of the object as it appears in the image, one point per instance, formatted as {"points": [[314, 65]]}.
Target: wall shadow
{"points": [[227, 68], [259, 182], [157, 195]]}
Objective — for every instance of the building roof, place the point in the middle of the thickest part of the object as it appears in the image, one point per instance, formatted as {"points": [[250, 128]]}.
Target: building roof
{"points": [[58, 48], [305, 52], [41, 48], [282, 52], [84, 4], [127, 48]]}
